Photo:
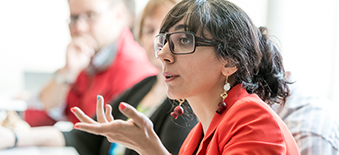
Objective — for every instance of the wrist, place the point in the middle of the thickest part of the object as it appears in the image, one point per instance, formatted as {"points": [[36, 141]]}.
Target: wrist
{"points": [[62, 76], [158, 147], [15, 139]]}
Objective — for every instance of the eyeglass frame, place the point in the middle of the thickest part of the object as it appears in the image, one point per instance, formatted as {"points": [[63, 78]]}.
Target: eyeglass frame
{"points": [[196, 39], [88, 17]]}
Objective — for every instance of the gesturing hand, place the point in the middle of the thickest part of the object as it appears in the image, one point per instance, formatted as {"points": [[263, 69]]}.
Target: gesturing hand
{"points": [[137, 133]]}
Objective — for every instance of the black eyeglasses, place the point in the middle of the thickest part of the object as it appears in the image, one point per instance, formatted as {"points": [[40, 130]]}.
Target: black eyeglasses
{"points": [[180, 43]]}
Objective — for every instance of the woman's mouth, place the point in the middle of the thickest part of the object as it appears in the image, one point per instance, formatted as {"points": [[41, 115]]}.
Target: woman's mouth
{"points": [[169, 76]]}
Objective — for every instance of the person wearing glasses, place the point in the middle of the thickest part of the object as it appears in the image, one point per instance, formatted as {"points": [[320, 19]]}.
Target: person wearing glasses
{"points": [[229, 72], [102, 58], [148, 96]]}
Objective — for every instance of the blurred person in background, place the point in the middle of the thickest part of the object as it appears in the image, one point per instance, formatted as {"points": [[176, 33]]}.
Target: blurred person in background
{"points": [[311, 120], [102, 58], [148, 96]]}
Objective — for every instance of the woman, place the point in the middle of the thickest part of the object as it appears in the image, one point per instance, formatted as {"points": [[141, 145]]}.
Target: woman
{"points": [[148, 96], [229, 72]]}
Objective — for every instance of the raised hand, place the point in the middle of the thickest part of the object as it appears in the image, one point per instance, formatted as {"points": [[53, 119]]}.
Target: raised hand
{"points": [[79, 53], [137, 133]]}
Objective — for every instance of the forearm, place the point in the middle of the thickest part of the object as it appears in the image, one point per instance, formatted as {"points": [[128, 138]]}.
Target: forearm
{"points": [[40, 136], [55, 92]]}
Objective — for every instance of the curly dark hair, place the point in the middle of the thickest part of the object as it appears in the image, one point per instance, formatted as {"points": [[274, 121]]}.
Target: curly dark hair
{"points": [[259, 62]]}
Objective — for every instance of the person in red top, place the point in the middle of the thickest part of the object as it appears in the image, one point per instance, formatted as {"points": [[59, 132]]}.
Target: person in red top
{"points": [[129, 67], [258, 132], [102, 58], [229, 72]]}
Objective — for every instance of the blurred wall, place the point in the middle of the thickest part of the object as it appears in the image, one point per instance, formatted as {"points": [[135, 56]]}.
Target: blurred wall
{"points": [[307, 32], [33, 37]]}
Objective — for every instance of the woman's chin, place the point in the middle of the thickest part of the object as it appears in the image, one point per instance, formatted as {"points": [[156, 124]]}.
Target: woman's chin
{"points": [[174, 96]]}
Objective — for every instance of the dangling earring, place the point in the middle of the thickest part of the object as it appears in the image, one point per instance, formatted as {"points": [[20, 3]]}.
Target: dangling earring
{"points": [[222, 104], [178, 111]]}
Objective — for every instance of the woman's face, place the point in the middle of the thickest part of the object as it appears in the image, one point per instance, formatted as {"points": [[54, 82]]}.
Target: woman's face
{"points": [[196, 74], [150, 29]]}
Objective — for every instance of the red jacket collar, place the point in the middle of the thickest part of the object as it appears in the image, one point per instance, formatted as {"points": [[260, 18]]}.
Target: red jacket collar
{"points": [[236, 93]]}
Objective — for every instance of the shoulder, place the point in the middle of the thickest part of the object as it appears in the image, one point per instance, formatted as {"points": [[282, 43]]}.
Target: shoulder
{"points": [[145, 82], [137, 91], [252, 119], [250, 125], [249, 108], [313, 118], [141, 87], [128, 47]]}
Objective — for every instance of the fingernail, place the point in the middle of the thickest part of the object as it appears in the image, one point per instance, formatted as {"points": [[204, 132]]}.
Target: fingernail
{"points": [[98, 97], [122, 106], [76, 127], [73, 110]]}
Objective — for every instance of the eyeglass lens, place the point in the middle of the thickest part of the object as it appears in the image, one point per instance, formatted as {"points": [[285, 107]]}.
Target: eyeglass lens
{"points": [[88, 17], [179, 43]]}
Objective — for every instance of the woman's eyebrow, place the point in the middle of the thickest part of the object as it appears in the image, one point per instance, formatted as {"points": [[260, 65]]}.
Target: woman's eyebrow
{"points": [[180, 26]]}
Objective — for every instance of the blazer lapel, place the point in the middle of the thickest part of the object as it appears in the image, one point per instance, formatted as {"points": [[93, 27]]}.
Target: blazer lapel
{"points": [[233, 95]]}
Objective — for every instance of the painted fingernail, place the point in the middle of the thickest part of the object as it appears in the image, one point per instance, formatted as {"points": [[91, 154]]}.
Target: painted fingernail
{"points": [[76, 127], [73, 110], [122, 106], [98, 97]]}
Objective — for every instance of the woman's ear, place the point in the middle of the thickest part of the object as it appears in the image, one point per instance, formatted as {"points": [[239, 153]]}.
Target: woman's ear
{"points": [[229, 68]]}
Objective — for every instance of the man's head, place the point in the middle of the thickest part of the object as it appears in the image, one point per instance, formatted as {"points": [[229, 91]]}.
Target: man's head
{"points": [[101, 19]]}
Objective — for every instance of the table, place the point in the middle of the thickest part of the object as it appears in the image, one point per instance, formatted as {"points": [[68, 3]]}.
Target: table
{"points": [[40, 151]]}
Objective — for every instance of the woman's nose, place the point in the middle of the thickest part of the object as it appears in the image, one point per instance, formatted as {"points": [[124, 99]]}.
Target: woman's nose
{"points": [[165, 54]]}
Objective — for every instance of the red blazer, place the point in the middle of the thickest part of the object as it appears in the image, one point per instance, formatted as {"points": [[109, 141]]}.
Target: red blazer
{"points": [[129, 67], [247, 126]]}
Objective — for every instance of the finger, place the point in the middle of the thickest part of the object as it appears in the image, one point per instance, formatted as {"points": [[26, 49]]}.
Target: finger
{"points": [[100, 110], [91, 128], [83, 46], [102, 129], [87, 50], [82, 116], [89, 40], [108, 112], [138, 118]]}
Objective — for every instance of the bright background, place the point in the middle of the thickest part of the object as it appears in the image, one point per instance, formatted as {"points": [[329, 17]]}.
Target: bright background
{"points": [[34, 36]]}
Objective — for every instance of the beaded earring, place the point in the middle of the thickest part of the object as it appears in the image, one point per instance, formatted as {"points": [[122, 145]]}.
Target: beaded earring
{"points": [[178, 110], [222, 104]]}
